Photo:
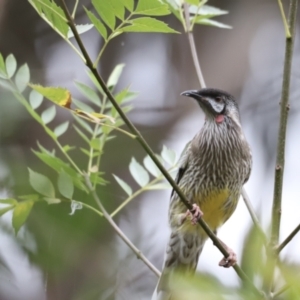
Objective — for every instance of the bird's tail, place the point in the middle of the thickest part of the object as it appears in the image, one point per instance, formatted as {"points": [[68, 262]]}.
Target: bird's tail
{"points": [[181, 256]]}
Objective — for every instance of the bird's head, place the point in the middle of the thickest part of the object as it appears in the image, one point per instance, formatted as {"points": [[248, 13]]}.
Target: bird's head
{"points": [[216, 104]]}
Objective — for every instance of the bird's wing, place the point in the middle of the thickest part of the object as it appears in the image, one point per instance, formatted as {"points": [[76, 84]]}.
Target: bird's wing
{"points": [[183, 164]]}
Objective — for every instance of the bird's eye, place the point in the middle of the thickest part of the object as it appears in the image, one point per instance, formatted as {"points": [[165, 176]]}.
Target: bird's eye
{"points": [[218, 99]]}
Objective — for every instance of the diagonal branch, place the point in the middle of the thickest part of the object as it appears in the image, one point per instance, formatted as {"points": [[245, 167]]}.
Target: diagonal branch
{"points": [[147, 148], [120, 233]]}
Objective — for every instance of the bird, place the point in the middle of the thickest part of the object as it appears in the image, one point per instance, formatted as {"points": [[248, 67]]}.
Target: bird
{"points": [[212, 170]]}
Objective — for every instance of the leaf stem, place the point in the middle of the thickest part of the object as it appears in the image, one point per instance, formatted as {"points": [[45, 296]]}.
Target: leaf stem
{"points": [[147, 148], [119, 232]]}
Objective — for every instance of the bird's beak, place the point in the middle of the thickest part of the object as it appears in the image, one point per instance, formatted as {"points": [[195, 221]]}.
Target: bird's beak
{"points": [[190, 93]]}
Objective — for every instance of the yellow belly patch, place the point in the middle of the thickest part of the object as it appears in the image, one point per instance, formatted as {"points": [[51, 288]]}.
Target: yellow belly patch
{"points": [[213, 207]]}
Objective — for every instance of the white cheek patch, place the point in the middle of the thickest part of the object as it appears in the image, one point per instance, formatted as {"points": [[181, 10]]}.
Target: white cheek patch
{"points": [[217, 107]]}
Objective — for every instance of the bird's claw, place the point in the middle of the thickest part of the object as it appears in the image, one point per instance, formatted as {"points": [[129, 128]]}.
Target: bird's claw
{"points": [[194, 214], [229, 261]]}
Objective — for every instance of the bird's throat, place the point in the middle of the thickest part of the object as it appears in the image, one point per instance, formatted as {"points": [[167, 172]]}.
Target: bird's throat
{"points": [[219, 119]]}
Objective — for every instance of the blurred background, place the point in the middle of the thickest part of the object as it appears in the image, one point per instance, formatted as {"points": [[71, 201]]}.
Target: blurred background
{"points": [[58, 256]]}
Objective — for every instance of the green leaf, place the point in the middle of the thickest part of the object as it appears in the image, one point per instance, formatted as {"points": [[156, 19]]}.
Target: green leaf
{"points": [[11, 65], [3, 73], [6, 209], [65, 185], [57, 95], [61, 129], [57, 164], [82, 105], [22, 78], [115, 75], [95, 82], [35, 99], [52, 200], [75, 206], [105, 11], [41, 184], [68, 148], [193, 2], [138, 172], [97, 23], [89, 93], [147, 24], [48, 114], [159, 186], [84, 124], [151, 166], [152, 8], [129, 4], [210, 22], [33, 197], [21, 213], [7, 85], [123, 185], [124, 96], [207, 11], [81, 29], [53, 13], [81, 134], [169, 156], [9, 201], [95, 144]]}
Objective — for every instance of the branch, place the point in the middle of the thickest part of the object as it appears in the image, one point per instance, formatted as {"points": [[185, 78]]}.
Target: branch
{"points": [[119, 232], [288, 239], [277, 198], [276, 210]]}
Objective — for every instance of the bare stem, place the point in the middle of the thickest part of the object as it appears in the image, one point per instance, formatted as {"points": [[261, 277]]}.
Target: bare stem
{"points": [[288, 239], [193, 47], [279, 169], [147, 148], [119, 232], [253, 215]]}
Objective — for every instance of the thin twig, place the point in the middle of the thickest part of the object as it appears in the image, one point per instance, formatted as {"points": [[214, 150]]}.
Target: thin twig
{"points": [[119, 232], [276, 212], [149, 151], [288, 239], [280, 157], [281, 290], [253, 215], [193, 47]]}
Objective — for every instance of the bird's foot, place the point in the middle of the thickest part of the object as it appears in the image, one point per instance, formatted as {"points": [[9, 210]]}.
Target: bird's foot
{"points": [[194, 215], [229, 261]]}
